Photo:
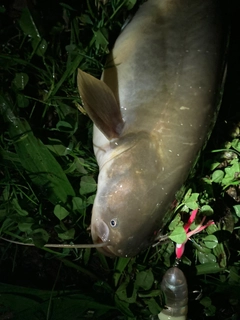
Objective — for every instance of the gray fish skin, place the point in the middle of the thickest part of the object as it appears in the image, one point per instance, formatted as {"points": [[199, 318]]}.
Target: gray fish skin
{"points": [[165, 72]]}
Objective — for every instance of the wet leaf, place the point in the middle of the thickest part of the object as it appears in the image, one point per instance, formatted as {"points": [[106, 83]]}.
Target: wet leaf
{"points": [[28, 25], [67, 235], [208, 268], [41, 47], [206, 210], [237, 209], [77, 203], [87, 185], [191, 202], [236, 144], [22, 101], [40, 237], [217, 176], [17, 207], [60, 212], [130, 4], [206, 257], [121, 265], [86, 19], [40, 165], [58, 149], [101, 36], [144, 279], [123, 306], [153, 306], [206, 302], [124, 294], [90, 200], [176, 221], [210, 241], [25, 226], [178, 235], [63, 125], [20, 80]]}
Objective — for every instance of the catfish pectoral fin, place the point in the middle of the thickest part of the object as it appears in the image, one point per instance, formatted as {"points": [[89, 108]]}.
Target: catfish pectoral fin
{"points": [[100, 104]]}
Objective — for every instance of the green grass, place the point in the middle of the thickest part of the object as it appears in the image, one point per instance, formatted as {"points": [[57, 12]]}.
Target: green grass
{"points": [[48, 182]]}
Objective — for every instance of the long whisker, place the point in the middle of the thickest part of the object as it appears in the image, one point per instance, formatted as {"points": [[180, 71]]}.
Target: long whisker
{"points": [[54, 245]]}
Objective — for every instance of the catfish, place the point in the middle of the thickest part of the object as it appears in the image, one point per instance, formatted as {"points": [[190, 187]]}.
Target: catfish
{"points": [[153, 110]]}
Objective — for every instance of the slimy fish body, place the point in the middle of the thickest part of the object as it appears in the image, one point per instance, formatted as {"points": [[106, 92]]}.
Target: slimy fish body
{"points": [[151, 111]]}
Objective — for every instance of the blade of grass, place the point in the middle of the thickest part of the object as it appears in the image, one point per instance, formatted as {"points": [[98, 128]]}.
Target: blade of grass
{"points": [[40, 165]]}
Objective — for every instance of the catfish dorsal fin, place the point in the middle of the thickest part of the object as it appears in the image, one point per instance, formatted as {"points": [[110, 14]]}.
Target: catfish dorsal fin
{"points": [[100, 104]]}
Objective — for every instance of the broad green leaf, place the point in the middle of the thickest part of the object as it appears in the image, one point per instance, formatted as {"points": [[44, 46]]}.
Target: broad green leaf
{"points": [[41, 47], [176, 221], [100, 37], [214, 165], [237, 209], [33, 304], [86, 256], [234, 275], [206, 257], [63, 125], [121, 265], [151, 294], [123, 306], [67, 235], [191, 202], [236, 144], [210, 309], [84, 18], [206, 302], [40, 237], [60, 212], [153, 306], [210, 241], [201, 248], [87, 185], [25, 226], [124, 295], [208, 268], [77, 203], [230, 173], [58, 149], [17, 207], [22, 101], [90, 200], [217, 176], [129, 4], [79, 163], [40, 165], [20, 81], [187, 195], [144, 279], [178, 235], [206, 210], [28, 25]]}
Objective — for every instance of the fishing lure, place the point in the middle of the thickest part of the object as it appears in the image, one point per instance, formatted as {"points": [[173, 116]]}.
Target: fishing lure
{"points": [[174, 287]]}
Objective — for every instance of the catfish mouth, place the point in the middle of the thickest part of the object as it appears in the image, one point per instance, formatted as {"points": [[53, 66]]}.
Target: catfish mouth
{"points": [[100, 235], [104, 249]]}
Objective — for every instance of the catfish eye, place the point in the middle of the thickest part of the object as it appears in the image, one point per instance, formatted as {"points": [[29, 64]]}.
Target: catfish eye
{"points": [[113, 223]]}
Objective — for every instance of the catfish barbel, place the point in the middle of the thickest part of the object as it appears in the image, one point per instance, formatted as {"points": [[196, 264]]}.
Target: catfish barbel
{"points": [[152, 112]]}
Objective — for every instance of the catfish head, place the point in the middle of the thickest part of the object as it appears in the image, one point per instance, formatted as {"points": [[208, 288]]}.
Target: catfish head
{"points": [[124, 215], [126, 205]]}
